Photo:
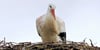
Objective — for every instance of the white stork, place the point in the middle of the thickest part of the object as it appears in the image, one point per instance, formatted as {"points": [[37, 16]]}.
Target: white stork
{"points": [[50, 27]]}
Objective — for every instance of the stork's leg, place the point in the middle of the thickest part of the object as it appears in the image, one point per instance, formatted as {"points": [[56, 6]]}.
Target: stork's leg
{"points": [[62, 35]]}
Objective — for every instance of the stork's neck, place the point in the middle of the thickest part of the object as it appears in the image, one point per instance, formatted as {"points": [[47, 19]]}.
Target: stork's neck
{"points": [[52, 13]]}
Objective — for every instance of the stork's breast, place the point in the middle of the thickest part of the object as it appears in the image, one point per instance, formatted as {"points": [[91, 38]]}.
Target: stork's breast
{"points": [[50, 26]]}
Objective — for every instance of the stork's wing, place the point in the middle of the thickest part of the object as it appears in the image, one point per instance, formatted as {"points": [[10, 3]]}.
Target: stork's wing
{"points": [[38, 24], [61, 25], [62, 33], [38, 27]]}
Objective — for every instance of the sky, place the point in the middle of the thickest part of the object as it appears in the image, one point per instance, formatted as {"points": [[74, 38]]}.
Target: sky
{"points": [[81, 17]]}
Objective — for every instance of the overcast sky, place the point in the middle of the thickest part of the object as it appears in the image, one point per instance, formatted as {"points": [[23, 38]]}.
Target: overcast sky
{"points": [[18, 17]]}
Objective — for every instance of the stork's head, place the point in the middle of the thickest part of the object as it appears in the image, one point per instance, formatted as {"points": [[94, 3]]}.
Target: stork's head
{"points": [[51, 9]]}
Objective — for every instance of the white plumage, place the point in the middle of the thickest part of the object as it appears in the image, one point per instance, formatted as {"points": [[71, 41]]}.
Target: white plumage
{"points": [[49, 26]]}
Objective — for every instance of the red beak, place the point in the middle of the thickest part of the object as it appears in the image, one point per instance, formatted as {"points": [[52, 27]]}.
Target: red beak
{"points": [[53, 13]]}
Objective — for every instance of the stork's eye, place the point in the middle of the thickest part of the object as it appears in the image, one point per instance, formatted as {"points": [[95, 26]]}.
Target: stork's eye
{"points": [[50, 6]]}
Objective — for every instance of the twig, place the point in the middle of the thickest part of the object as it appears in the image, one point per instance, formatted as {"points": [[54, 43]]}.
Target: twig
{"points": [[91, 43]]}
